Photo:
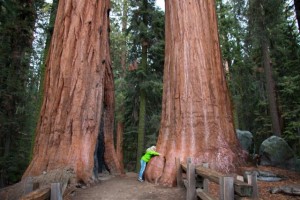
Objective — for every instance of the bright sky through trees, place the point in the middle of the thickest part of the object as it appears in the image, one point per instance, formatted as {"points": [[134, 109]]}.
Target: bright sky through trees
{"points": [[161, 4]]}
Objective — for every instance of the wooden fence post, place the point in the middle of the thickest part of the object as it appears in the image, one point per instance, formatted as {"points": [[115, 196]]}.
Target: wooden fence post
{"points": [[190, 172], [30, 185], [226, 188], [240, 178], [252, 180], [56, 193], [205, 180], [179, 173]]}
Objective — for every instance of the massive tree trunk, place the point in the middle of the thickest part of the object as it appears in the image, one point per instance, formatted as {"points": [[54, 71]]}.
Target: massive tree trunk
{"points": [[110, 155], [78, 92], [197, 119]]}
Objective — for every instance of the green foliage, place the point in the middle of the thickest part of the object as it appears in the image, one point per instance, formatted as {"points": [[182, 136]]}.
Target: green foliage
{"points": [[285, 52], [149, 79], [145, 24], [240, 32], [19, 85]]}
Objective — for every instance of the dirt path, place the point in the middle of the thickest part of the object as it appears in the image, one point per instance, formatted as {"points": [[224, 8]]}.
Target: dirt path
{"points": [[115, 188]]}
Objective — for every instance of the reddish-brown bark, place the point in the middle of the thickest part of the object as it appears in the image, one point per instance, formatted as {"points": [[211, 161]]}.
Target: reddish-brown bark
{"points": [[78, 88], [197, 118], [110, 155]]}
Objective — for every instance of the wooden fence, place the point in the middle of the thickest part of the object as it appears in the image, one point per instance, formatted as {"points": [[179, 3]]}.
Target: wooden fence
{"points": [[32, 192], [230, 186]]}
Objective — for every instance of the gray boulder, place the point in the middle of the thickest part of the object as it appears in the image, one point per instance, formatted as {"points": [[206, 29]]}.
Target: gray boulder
{"points": [[245, 138], [274, 151]]}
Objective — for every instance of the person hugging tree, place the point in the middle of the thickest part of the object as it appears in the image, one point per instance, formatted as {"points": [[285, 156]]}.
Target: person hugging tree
{"points": [[150, 152]]}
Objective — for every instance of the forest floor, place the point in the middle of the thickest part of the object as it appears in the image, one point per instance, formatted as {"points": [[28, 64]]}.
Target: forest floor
{"points": [[290, 178], [127, 187]]}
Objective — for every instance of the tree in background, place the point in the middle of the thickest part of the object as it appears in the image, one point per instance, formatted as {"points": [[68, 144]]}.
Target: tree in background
{"points": [[285, 52], [119, 39], [274, 53], [140, 20], [18, 86], [197, 117], [78, 93], [231, 15], [241, 38], [260, 20], [144, 79]]}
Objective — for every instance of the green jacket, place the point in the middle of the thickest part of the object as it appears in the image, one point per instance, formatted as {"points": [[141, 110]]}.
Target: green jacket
{"points": [[148, 155]]}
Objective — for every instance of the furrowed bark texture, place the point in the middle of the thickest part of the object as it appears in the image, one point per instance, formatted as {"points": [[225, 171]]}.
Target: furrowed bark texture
{"points": [[197, 118], [110, 154], [78, 89]]}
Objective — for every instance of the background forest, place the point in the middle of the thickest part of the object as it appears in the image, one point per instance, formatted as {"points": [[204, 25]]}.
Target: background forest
{"points": [[261, 57]]}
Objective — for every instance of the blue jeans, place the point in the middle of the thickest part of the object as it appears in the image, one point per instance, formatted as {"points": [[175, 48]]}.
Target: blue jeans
{"points": [[143, 167]]}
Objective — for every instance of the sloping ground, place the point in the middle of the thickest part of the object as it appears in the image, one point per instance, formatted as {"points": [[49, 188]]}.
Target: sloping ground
{"points": [[128, 187], [114, 188]]}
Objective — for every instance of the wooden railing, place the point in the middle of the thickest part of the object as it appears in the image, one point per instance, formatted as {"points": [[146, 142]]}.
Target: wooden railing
{"points": [[230, 186], [33, 192]]}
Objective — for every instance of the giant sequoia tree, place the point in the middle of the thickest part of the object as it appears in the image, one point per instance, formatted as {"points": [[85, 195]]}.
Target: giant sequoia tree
{"points": [[78, 92], [197, 116]]}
